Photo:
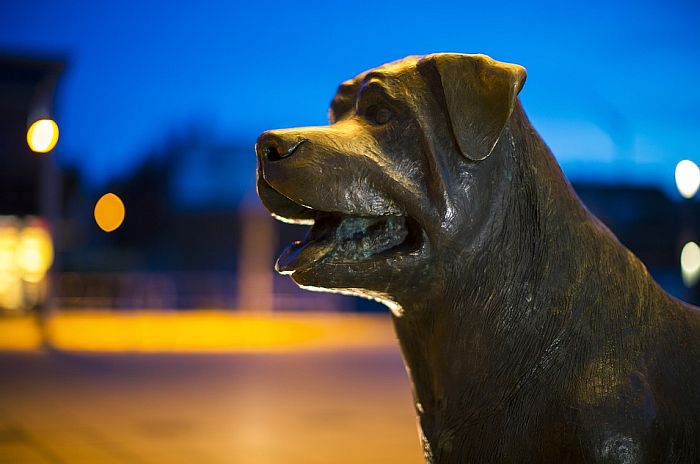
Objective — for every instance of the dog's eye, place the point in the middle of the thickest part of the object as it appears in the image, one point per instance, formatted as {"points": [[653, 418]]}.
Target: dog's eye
{"points": [[378, 114]]}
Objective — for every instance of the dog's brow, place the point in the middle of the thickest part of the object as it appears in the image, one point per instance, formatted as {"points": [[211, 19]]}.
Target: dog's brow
{"points": [[373, 76], [375, 85]]}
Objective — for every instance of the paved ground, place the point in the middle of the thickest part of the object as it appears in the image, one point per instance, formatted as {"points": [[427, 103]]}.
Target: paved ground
{"points": [[347, 406]]}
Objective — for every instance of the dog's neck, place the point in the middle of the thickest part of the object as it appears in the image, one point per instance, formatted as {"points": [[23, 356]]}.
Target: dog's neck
{"points": [[493, 335]]}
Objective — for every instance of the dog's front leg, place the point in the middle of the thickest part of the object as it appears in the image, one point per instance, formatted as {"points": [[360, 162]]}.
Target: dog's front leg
{"points": [[616, 423]]}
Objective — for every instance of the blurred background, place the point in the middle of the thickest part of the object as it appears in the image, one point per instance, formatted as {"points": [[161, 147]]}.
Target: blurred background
{"points": [[136, 277]]}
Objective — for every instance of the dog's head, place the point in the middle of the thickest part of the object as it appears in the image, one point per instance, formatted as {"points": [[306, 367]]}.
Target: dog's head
{"points": [[400, 181]]}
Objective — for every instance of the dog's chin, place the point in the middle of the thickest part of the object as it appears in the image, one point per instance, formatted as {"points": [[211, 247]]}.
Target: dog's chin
{"points": [[343, 249]]}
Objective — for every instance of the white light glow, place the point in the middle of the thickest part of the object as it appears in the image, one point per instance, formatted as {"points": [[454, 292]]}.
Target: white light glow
{"points": [[42, 135], [687, 178], [690, 263]]}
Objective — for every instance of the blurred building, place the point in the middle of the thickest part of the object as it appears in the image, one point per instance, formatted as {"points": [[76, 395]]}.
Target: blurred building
{"points": [[192, 240], [194, 236], [29, 189]]}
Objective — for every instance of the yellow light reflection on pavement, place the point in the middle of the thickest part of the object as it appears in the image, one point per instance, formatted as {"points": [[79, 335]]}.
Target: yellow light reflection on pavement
{"points": [[19, 334], [42, 135], [213, 331], [109, 212]]}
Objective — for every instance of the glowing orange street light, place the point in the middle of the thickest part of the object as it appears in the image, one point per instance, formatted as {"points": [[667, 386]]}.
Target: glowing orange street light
{"points": [[42, 135], [109, 212]]}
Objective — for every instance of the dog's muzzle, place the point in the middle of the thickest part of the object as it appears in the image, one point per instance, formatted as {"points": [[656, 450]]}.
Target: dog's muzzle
{"points": [[338, 234]]}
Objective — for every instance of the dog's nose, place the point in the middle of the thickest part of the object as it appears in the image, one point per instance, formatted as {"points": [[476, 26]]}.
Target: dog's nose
{"points": [[274, 147]]}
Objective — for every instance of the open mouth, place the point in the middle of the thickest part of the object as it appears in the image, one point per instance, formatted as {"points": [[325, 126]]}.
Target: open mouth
{"points": [[339, 238]]}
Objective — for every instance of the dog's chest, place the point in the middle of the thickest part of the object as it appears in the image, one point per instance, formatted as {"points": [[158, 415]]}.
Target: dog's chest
{"points": [[499, 435]]}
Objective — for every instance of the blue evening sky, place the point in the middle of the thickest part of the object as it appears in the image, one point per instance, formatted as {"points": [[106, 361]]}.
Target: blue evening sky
{"points": [[612, 86]]}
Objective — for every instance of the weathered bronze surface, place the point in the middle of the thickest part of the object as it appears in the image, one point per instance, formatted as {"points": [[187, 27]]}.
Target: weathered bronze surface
{"points": [[530, 333]]}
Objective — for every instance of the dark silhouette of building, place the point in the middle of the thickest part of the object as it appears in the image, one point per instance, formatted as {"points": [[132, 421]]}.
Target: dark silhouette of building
{"points": [[27, 88]]}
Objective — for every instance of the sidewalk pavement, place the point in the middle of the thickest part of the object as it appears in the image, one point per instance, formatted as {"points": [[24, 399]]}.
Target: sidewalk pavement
{"points": [[341, 405]]}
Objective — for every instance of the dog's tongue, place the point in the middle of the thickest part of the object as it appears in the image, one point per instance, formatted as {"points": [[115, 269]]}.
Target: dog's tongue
{"points": [[300, 255]]}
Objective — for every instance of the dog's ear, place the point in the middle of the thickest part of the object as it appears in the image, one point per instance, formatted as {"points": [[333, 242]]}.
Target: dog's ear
{"points": [[480, 94]]}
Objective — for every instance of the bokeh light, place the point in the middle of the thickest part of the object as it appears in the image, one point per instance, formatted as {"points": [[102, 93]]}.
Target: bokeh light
{"points": [[8, 240], [34, 253], [10, 283], [687, 178], [690, 263], [109, 212], [42, 135], [26, 254]]}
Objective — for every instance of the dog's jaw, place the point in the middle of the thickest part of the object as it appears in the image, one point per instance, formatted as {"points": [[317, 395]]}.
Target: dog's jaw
{"points": [[355, 249]]}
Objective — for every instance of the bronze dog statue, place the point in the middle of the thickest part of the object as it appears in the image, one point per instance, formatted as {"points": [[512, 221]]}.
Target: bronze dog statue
{"points": [[530, 333]]}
